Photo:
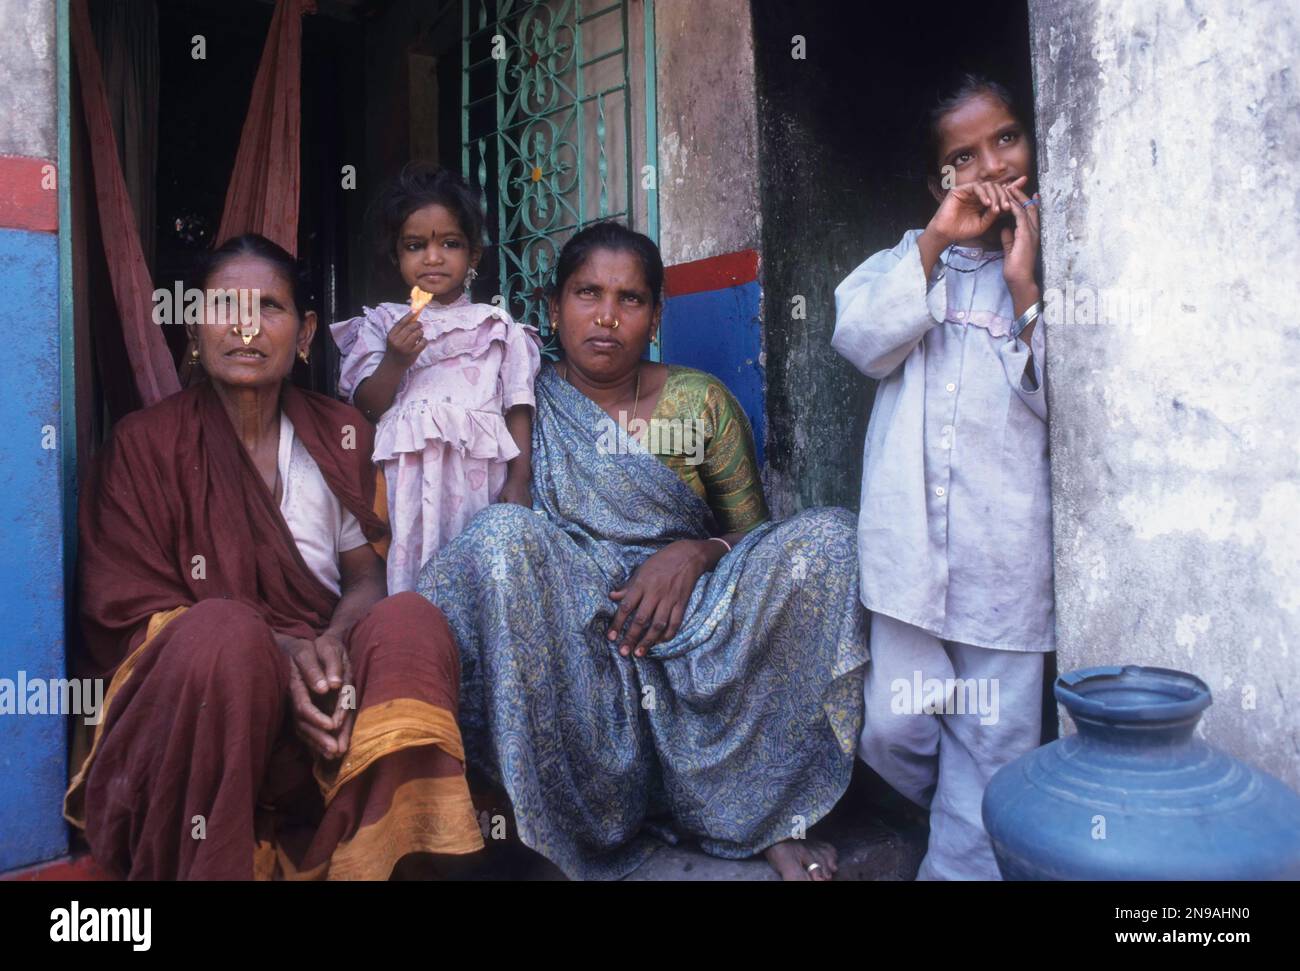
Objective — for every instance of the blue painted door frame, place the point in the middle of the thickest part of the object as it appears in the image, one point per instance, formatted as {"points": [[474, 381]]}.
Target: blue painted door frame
{"points": [[37, 510]]}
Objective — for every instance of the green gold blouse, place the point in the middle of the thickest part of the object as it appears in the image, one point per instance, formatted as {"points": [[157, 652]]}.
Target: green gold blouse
{"points": [[700, 432]]}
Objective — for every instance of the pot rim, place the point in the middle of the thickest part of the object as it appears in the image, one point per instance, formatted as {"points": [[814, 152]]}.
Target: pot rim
{"points": [[1101, 693]]}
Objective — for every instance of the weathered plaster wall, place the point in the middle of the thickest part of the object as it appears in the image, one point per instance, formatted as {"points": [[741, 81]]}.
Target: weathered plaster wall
{"points": [[27, 78], [708, 130], [1169, 133]]}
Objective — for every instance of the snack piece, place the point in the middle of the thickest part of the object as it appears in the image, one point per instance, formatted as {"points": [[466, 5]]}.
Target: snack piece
{"points": [[419, 299]]}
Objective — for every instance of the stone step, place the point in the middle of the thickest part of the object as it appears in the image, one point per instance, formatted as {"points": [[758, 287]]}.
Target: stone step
{"points": [[876, 833]]}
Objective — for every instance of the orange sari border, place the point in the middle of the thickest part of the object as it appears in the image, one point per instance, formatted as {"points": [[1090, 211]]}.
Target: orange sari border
{"points": [[390, 727], [430, 815], [381, 510]]}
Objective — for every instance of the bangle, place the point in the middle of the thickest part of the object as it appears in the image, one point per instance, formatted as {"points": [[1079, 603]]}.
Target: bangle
{"points": [[719, 539], [1031, 314]]}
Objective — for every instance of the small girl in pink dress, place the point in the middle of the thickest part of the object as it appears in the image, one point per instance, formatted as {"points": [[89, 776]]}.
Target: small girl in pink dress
{"points": [[448, 382]]}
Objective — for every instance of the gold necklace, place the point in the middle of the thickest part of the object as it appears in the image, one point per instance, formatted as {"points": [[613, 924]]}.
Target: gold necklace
{"points": [[636, 398]]}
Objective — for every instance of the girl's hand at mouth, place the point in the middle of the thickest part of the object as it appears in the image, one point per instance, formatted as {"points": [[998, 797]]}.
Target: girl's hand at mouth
{"points": [[968, 211], [1020, 243]]}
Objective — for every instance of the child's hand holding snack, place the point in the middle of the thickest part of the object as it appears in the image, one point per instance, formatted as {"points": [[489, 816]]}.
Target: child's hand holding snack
{"points": [[406, 340]]}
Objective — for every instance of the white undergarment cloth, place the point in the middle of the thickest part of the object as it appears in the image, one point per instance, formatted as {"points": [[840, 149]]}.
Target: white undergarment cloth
{"points": [[321, 527]]}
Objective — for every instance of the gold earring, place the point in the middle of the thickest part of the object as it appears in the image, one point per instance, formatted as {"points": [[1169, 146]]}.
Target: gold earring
{"points": [[303, 356], [194, 353]]}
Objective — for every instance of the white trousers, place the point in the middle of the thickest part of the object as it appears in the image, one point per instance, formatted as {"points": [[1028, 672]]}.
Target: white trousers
{"points": [[940, 719]]}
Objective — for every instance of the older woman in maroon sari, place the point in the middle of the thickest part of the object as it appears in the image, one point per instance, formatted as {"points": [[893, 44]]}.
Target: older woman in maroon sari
{"points": [[270, 712]]}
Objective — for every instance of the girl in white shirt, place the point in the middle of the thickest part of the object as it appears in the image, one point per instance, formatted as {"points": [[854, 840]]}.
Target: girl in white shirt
{"points": [[955, 524]]}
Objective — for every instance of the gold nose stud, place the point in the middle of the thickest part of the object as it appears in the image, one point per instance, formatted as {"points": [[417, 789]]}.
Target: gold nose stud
{"points": [[219, 313]]}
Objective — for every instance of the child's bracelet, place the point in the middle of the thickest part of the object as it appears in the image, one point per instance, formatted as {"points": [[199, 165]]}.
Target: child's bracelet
{"points": [[723, 542], [1028, 317]]}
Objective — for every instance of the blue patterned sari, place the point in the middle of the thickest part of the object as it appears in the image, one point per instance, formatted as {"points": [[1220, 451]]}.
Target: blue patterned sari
{"points": [[738, 732]]}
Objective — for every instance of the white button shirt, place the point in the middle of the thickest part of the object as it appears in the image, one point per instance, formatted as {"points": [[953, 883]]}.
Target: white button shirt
{"points": [[955, 531]]}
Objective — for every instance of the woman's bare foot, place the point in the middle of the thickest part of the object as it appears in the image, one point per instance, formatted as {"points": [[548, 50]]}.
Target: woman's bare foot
{"points": [[802, 859]]}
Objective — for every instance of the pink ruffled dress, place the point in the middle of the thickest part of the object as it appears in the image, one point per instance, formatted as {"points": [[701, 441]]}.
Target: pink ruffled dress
{"points": [[443, 445]]}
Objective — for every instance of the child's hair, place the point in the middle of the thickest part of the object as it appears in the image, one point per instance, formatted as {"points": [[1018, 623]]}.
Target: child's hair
{"points": [[258, 246], [418, 185], [955, 93], [610, 235]]}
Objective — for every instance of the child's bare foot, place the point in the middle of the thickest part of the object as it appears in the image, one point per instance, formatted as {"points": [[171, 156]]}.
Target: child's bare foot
{"points": [[802, 859]]}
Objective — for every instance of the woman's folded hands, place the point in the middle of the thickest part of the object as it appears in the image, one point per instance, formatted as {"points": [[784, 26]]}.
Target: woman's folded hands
{"points": [[322, 711]]}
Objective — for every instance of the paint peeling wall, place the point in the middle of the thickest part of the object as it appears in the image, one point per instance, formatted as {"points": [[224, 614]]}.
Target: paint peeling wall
{"points": [[708, 130], [1169, 133]]}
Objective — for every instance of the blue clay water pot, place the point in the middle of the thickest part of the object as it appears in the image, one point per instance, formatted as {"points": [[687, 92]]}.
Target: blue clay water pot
{"points": [[1136, 796]]}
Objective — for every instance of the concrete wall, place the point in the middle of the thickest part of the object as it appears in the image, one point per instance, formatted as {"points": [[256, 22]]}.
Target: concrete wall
{"points": [[26, 70], [1168, 138], [33, 770], [708, 129]]}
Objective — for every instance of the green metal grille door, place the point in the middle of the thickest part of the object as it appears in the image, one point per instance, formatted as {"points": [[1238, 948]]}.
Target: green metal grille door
{"points": [[546, 132]]}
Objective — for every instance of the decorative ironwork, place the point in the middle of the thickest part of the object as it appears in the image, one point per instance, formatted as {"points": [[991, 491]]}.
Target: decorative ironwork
{"points": [[546, 128]]}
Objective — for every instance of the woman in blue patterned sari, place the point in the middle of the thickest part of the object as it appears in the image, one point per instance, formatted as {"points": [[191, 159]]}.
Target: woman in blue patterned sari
{"points": [[645, 653]]}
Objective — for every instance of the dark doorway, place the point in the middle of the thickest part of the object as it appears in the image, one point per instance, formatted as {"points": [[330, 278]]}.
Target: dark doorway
{"points": [[380, 86], [842, 141], [841, 137]]}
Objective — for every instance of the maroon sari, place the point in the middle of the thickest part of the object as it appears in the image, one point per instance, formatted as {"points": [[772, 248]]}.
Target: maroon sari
{"points": [[187, 567]]}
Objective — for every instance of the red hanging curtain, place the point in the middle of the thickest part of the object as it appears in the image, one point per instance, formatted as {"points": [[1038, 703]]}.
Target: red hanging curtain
{"points": [[263, 193], [262, 197], [151, 361]]}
